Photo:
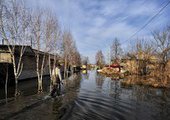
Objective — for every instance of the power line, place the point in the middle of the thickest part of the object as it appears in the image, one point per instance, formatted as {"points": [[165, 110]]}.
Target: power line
{"points": [[149, 21]]}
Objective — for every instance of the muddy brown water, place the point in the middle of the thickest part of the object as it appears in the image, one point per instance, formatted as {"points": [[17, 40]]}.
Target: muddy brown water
{"points": [[91, 96]]}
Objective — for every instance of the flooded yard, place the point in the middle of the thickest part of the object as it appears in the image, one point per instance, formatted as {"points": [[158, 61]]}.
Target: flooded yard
{"points": [[87, 96]]}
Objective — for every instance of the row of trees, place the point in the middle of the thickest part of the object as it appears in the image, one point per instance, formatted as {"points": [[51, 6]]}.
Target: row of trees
{"points": [[37, 28], [115, 53], [155, 50]]}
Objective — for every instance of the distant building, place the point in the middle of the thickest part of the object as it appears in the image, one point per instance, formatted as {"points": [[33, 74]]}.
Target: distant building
{"points": [[115, 66], [83, 67]]}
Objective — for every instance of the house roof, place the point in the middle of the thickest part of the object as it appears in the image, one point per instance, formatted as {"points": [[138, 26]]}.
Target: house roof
{"points": [[28, 50], [114, 65]]}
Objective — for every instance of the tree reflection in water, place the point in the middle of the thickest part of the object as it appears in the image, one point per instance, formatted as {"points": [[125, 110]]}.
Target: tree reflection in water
{"points": [[100, 97], [155, 101], [99, 80], [63, 103], [57, 103], [115, 89]]}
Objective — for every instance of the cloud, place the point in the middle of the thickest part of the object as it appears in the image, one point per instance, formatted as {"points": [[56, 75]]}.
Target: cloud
{"points": [[95, 23]]}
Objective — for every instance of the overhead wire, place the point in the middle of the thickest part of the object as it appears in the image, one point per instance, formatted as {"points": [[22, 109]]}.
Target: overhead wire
{"points": [[148, 22], [97, 46]]}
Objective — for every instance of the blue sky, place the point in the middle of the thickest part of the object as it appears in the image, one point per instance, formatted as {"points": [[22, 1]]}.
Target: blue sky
{"points": [[95, 23]]}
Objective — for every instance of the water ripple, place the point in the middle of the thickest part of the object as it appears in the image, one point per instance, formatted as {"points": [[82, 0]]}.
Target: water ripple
{"points": [[99, 98]]}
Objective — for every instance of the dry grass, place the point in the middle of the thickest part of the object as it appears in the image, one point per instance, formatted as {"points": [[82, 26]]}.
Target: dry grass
{"points": [[146, 81]]}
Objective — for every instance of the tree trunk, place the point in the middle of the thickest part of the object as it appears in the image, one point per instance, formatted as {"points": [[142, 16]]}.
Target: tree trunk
{"points": [[38, 74], [49, 67], [42, 67], [16, 87], [6, 84], [50, 71], [65, 68]]}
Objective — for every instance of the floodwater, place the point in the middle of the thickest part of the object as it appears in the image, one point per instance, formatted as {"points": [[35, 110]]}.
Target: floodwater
{"points": [[91, 96]]}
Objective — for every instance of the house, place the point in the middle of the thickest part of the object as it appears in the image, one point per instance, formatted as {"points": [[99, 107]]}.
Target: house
{"points": [[139, 63], [115, 66], [28, 61]]}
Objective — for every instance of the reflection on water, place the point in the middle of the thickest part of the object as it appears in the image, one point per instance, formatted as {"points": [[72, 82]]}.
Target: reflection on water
{"points": [[91, 96], [98, 97], [99, 80], [24, 88], [85, 74], [56, 105]]}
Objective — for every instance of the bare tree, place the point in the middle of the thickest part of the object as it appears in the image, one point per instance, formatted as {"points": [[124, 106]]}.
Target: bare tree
{"points": [[36, 25], [67, 47], [71, 55], [44, 36], [163, 46], [14, 27], [75, 59], [100, 59], [162, 40], [116, 50], [85, 60], [52, 38], [144, 55]]}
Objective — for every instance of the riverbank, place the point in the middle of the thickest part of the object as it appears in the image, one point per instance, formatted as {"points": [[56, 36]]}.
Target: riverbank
{"points": [[130, 80], [112, 72]]}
